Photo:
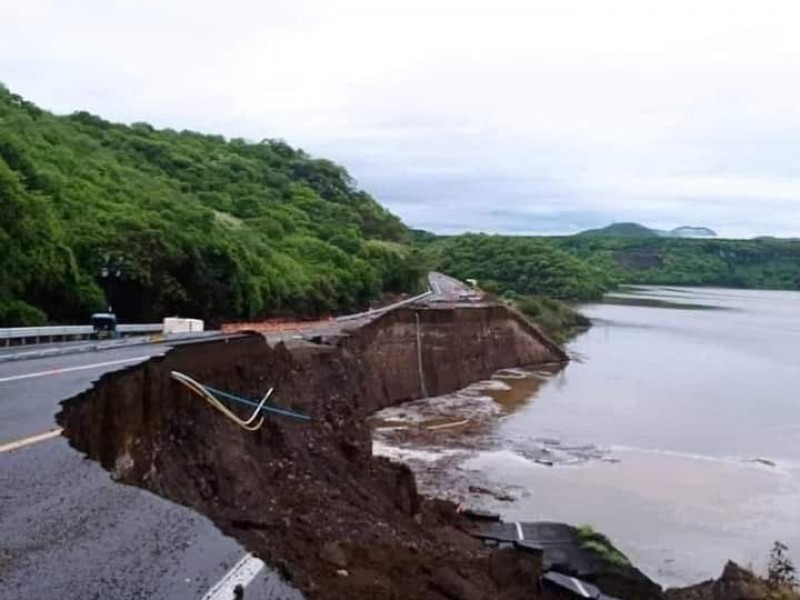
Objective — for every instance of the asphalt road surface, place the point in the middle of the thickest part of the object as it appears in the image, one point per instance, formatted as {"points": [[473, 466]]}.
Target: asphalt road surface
{"points": [[68, 531]]}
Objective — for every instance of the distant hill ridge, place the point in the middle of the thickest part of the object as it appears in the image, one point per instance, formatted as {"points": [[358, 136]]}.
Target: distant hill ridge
{"points": [[637, 230], [689, 231]]}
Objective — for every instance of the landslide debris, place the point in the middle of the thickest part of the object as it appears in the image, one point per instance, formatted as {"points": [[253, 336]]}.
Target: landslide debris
{"points": [[310, 499]]}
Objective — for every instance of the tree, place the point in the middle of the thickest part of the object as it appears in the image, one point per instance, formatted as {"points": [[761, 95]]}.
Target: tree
{"points": [[781, 573]]}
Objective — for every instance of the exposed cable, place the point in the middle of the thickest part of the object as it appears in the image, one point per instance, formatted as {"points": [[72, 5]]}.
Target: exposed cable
{"points": [[201, 391], [268, 408], [213, 395]]}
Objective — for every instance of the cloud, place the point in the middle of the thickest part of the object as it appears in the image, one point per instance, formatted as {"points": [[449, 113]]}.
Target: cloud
{"points": [[512, 116]]}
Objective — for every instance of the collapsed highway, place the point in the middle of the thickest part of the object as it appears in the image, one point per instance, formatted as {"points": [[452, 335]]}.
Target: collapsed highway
{"points": [[309, 498]]}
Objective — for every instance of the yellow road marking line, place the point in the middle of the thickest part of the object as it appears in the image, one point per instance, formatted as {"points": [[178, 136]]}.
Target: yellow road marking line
{"points": [[34, 439]]}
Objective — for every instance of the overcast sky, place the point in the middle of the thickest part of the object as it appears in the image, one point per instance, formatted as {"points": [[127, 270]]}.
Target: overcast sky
{"points": [[508, 116]]}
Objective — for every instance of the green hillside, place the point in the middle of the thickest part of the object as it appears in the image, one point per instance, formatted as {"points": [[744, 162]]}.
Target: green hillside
{"points": [[182, 223], [521, 265]]}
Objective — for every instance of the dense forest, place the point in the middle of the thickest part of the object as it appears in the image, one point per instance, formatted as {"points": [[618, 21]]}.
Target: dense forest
{"points": [[168, 222]]}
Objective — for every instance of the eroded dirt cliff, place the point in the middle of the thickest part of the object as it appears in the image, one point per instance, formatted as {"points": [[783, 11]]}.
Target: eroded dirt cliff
{"points": [[409, 353]]}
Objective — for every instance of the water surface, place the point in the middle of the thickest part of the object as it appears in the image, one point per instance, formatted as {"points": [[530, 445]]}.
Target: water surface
{"points": [[675, 429]]}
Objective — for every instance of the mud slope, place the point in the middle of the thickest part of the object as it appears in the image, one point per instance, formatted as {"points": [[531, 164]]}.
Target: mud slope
{"points": [[309, 498]]}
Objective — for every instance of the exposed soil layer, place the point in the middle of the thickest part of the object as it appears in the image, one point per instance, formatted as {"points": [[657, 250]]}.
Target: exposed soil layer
{"points": [[309, 498], [456, 347]]}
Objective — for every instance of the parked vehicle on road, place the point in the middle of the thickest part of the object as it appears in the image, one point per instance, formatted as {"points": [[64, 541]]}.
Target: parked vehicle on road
{"points": [[104, 326]]}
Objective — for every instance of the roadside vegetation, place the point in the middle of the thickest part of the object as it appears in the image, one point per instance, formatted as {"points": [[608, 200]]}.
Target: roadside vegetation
{"points": [[533, 275], [589, 539], [558, 319]]}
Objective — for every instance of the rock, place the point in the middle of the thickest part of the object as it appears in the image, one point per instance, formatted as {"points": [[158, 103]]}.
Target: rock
{"points": [[502, 567], [405, 491], [735, 583], [501, 496], [333, 554], [450, 536], [453, 586]]}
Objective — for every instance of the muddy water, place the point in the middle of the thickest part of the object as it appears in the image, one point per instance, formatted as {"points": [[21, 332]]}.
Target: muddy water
{"points": [[675, 429]]}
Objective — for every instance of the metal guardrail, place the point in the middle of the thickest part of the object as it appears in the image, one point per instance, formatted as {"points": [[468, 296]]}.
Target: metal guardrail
{"points": [[68, 331], [33, 332], [141, 328], [379, 311]]}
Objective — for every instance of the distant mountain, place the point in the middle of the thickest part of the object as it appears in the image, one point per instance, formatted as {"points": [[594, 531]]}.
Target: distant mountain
{"points": [[687, 231], [627, 230], [635, 230]]}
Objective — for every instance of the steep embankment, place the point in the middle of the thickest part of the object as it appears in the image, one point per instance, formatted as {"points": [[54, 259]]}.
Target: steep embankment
{"points": [[411, 353], [309, 497]]}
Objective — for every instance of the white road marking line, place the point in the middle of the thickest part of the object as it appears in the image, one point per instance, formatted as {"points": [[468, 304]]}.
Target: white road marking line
{"points": [[71, 369], [519, 531], [34, 439], [242, 574], [581, 589]]}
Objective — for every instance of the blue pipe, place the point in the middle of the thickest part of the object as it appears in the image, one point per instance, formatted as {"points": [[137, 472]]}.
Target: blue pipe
{"points": [[266, 408]]}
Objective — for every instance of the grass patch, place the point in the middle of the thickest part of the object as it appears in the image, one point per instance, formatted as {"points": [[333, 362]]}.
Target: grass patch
{"points": [[596, 542], [557, 319]]}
